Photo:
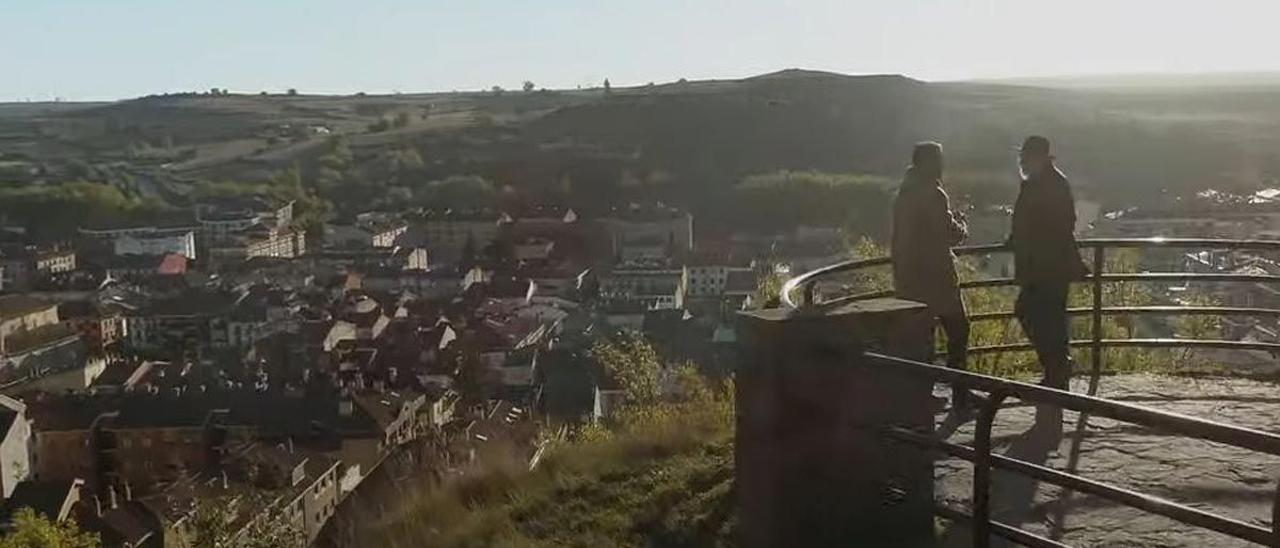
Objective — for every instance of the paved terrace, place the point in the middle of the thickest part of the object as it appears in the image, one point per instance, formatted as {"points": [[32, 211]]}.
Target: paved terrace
{"points": [[1233, 482]]}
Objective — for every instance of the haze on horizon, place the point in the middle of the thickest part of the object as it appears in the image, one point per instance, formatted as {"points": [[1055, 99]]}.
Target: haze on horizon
{"points": [[90, 50]]}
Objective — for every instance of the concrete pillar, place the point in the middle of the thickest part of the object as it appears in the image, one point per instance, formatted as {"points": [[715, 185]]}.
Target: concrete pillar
{"points": [[811, 470]]}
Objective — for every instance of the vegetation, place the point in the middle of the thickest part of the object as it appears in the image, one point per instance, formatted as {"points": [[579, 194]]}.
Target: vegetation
{"points": [[55, 212], [310, 209], [32, 530], [786, 199], [659, 475], [459, 192], [211, 527]]}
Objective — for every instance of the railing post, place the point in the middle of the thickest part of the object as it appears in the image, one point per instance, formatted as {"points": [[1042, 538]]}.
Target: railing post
{"points": [[982, 470], [1099, 264], [1275, 519], [810, 466]]}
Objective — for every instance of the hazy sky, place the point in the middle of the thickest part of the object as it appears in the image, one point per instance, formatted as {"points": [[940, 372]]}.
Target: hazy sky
{"points": [[100, 49]]}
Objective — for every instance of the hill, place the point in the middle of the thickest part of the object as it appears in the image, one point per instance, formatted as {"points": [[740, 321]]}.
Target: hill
{"points": [[683, 142]]}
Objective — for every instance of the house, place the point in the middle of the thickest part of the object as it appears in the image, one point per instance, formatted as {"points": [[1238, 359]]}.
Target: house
{"points": [[20, 264], [54, 500], [376, 232], [186, 320], [55, 260], [23, 313], [654, 285], [101, 326], [15, 445], [259, 240], [52, 359], [708, 276]]}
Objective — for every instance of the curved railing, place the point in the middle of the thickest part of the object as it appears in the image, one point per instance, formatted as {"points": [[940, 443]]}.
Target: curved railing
{"points": [[806, 283]]}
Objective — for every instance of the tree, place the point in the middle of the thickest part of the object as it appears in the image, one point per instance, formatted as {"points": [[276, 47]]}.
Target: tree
{"points": [[607, 87], [783, 200], [633, 363], [462, 192], [292, 92], [211, 527], [497, 90], [32, 530], [528, 86]]}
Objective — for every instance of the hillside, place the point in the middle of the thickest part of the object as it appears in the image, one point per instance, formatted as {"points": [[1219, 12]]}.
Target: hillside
{"points": [[683, 142]]}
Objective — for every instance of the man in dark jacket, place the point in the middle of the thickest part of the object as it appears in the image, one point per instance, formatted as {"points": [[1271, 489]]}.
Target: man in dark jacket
{"points": [[924, 270], [1046, 260]]}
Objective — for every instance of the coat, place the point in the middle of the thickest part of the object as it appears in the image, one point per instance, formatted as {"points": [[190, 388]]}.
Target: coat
{"points": [[924, 230], [1043, 232]]}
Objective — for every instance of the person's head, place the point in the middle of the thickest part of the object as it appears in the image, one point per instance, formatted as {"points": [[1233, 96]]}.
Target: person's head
{"points": [[926, 157], [1034, 156]]}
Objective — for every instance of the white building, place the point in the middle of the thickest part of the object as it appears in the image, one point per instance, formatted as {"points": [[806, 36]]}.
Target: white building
{"points": [[709, 280], [181, 242], [15, 444]]}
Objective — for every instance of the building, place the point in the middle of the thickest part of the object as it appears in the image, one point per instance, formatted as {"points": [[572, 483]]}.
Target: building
{"points": [[20, 265], [646, 229], [450, 232], [101, 327], [144, 267], [369, 230], [55, 261], [654, 286], [157, 242], [221, 219], [708, 276], [15, 445], [21, 314], [260, 241], [185, 321]]}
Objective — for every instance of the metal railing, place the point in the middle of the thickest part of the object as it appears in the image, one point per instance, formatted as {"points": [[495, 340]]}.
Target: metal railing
{"points": [[998, 390], [806, 284], [984, 460]]}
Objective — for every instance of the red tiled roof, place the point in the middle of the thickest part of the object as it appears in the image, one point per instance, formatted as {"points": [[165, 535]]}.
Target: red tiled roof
{"points": [[173, 263]]}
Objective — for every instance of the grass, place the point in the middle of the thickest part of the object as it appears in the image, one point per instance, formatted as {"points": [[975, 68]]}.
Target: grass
{"points": [[665, 479]]}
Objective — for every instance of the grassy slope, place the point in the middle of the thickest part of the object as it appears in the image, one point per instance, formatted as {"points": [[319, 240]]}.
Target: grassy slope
{"points": [[668, 483]]}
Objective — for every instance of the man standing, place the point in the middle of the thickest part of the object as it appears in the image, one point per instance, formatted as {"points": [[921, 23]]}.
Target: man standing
{"points": [[1046, 260], [924, 270]]}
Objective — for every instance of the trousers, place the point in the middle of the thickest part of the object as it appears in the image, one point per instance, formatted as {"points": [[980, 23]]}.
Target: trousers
{"points": [[956, 326], [1042, 310]]}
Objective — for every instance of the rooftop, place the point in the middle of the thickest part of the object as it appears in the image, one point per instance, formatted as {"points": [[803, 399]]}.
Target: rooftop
{"points": [[15, 306]]}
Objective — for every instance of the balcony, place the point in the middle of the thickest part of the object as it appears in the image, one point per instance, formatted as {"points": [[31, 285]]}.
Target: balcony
{"points": [[838, 440]]}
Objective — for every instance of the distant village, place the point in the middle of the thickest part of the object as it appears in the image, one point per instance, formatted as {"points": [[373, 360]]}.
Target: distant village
{"points": [[223, 358]]}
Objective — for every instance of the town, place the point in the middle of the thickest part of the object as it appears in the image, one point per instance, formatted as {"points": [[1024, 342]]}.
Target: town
{"points": [[222, 358]]}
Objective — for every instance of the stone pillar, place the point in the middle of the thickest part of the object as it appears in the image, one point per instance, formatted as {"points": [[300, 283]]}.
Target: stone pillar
{"points": [[811, 470]]}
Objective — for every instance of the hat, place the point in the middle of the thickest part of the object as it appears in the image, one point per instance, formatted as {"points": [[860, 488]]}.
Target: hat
{"points": [[1036, 144]]}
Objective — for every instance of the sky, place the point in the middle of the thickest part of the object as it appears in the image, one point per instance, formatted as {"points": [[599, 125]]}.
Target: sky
{"points": [[99, 50]]}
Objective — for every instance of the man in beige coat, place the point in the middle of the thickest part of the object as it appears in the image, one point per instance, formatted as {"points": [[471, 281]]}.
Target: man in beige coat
{"points": [[924, 270]]}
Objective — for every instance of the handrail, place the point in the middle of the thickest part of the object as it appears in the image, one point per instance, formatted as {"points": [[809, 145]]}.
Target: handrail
{"points": [[984, 460], [805, 280], [1096, 279]]}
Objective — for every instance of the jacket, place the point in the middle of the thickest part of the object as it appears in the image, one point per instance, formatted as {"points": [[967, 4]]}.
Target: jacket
{"points": [[1042, 234], [924, 230]]}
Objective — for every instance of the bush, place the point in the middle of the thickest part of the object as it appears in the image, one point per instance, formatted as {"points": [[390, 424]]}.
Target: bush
{"points": [[32, 530]]}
